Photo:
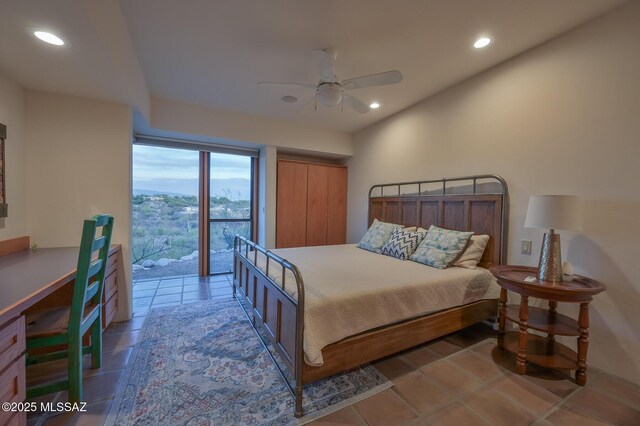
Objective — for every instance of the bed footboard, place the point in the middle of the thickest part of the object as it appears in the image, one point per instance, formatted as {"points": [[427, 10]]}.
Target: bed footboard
{"points": [[271, 309]]}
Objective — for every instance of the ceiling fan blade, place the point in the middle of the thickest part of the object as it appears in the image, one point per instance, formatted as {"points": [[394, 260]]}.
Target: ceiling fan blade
{"points": [[324, 64], [381, 79], [307, 106], [355, 103], [274, 83]]}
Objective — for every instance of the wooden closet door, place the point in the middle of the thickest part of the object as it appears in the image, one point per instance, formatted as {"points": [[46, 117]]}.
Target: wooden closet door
{"points": [[317, 209], [291, 208], [337, 205]]}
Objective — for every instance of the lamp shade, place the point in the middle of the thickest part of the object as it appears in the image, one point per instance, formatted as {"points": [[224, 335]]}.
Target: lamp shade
{"points": [[554, 212]]}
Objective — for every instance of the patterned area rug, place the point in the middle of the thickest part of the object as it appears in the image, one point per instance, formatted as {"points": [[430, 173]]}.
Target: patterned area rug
{"points": [[202, 364]]}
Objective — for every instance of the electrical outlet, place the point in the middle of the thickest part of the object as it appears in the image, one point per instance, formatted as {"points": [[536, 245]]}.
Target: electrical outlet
{"points": [[525, 247]]}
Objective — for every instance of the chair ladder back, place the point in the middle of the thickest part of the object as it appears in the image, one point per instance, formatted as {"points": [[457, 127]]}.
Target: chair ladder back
{"points": [[90, 274], [102, 244]]}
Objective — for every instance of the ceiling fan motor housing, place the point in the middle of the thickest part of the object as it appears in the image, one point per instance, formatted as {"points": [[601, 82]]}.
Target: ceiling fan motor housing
{"points": [[329, 94]]}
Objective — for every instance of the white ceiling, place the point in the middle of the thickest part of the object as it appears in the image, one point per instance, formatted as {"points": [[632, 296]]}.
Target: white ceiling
{"points": [[213, 53], [97, 61]]}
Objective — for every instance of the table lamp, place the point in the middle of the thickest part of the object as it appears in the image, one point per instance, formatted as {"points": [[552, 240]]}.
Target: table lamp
{"points": [[552, 212]]}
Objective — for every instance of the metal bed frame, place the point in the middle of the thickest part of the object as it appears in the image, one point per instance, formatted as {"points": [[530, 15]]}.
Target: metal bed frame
{"points": [[241, 242], [244, 249]]}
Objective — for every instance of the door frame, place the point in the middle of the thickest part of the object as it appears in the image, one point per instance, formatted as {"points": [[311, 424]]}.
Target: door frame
{"points": [[204, 231]]}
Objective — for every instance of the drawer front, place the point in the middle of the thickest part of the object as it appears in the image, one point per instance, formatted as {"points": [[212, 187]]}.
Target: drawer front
{"points": [[12, 342], [112, 264], [109, 310], [12, 388], [112, 260], [110, 286]]}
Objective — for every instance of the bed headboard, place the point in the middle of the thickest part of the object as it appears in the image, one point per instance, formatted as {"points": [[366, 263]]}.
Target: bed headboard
{"points": [[472, 203]]}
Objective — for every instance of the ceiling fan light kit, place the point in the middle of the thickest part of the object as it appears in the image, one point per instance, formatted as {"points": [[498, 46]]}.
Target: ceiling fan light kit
{"points": [[331, 92]]}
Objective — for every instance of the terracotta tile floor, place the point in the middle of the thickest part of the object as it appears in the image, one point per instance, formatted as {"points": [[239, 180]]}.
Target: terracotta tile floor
{"points": [[440, 383], [118, 341], [437, 383], [176, 290]]}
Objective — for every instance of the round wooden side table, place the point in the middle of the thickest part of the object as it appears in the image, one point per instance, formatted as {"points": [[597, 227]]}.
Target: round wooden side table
{"points": [[537, 349]]}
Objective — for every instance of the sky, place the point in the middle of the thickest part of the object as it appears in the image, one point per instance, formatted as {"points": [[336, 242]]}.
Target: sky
{"points": [[176, 170]]}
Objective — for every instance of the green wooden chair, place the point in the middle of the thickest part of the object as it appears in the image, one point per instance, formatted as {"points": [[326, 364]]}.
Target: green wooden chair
{"points": [[67, 325]]}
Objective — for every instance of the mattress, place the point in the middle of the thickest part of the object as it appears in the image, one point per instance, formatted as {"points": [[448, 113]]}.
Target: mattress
{"points": [[349, 290]]}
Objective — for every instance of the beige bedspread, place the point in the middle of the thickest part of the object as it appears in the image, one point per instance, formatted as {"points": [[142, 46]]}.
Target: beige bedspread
{"points": [[349, 290]]}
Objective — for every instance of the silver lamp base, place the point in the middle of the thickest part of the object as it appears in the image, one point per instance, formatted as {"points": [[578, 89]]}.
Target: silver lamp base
{"points": [[550, 265]]}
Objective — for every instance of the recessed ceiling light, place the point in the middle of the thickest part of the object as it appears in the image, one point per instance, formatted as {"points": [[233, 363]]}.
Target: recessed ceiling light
{"points": [[482, 42], [374, 105], [49, 38], [289, 99]]}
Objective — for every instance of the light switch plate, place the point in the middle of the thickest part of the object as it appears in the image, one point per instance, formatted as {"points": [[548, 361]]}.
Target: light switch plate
{"points": [[525, 247]]}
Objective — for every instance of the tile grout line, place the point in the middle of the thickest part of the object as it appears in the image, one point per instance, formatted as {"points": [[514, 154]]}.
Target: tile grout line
{"points": [[46, 415], [543, 416], [527, 409], [626, 402], [460, 398], [565, 400], [485, 384], [50, 415], [560, 404], [455, 398], [404, 401], [432, 380], [538, 418], [57, 395], [358, 416]]}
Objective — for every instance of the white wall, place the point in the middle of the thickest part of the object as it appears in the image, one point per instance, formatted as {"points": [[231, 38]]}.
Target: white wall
{"points": [[78, 164], [216, 123], [267, 180], [12, 114], [561, 118], [177, 119]]}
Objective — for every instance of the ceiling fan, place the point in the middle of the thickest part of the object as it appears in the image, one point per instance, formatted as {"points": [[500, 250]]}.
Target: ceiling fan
{"points": [[331, 92]]}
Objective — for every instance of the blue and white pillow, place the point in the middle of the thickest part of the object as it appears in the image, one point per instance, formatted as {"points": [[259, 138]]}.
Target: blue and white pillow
{"points": [[403, 243], [441, 247], [377, 235]]}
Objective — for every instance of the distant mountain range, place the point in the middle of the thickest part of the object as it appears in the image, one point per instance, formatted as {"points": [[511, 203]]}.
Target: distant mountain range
{"points": [[234, 189], [153, 192]]}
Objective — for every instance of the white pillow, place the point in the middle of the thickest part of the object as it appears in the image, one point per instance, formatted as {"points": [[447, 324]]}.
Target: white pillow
{"points": [[472, 253]]}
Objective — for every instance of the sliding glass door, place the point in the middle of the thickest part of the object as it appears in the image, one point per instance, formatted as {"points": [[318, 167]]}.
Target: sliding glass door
{"points": [[231, 207], [187, 207], [164, 212]]}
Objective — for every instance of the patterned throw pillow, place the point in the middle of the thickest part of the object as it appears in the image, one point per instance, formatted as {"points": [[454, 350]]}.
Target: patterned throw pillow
{"points": [[440, 247], [377, 235], [403, 243]]}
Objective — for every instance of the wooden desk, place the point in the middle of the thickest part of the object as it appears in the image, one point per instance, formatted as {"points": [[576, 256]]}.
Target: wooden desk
{"points": [[34, 279]]}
